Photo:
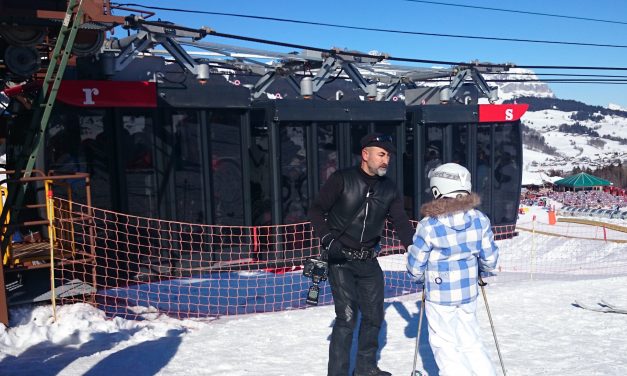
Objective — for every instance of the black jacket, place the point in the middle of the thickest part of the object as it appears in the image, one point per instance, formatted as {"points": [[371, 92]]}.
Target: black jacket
{"points": [[376, 197]]}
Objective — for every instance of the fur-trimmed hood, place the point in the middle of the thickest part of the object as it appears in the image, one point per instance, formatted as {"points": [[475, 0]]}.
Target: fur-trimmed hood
{"points": [[445, 206]]}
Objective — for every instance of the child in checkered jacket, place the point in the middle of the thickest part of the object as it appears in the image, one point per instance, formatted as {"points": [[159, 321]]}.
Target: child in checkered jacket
{"points": [[452, 243]]}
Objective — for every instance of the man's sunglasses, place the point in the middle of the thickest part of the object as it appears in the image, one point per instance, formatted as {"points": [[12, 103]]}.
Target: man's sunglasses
{"points": [[380, 139]]}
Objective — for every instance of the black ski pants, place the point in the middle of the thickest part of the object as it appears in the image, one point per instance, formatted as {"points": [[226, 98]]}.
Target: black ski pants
{"points": [[356, 285]]}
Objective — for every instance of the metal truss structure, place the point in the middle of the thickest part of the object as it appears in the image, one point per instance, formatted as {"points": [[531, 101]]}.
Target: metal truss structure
{"points": [[306, 71]]}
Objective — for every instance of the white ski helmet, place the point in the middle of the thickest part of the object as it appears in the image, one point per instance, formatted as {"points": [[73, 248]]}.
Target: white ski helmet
{"points": [[450, 180]]}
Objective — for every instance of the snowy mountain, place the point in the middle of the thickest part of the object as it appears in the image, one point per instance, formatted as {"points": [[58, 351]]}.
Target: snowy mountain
{"points": [[613, 106], [513, 90]]}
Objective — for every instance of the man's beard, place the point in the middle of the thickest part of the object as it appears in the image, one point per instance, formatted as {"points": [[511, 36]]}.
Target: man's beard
{"points": [[381, 171]]}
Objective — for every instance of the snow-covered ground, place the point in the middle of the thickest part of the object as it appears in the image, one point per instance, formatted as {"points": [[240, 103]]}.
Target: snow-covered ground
{"points": [[539, 330]]}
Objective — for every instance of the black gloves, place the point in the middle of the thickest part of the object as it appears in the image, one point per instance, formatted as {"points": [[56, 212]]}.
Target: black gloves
{"points": [[332, 248]]}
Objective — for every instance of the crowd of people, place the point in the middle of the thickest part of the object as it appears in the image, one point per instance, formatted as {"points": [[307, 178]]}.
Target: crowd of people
{"points": [[587, 199]]}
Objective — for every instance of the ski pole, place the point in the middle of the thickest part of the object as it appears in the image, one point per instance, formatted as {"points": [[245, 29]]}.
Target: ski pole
{"points": [[487, 307], [422, 307]]}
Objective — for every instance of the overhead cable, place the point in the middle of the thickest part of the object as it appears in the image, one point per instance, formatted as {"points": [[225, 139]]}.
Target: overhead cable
{"points": [[412, 60], [376, 29], [519, 12], [363, 55], [564, 74]]}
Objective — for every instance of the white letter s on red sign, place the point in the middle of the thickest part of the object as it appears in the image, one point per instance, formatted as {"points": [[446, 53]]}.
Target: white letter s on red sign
{"points": [[509, 114]]}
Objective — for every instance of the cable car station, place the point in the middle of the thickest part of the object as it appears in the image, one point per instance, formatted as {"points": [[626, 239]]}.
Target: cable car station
{"points": [[207, 134]]}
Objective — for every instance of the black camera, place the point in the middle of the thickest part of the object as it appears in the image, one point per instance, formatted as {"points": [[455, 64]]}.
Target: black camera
{"points": [[318, 271]]}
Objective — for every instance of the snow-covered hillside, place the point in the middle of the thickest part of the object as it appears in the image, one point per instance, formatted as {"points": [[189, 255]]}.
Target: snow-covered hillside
{"points": [[571, 149], [574, 149]]}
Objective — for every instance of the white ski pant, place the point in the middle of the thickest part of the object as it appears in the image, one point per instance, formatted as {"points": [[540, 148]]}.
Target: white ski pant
{"points": [[455, 340]]}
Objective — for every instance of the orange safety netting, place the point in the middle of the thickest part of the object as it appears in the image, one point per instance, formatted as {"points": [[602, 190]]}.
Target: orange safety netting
{"points": [[136, 267], [131, 265]]}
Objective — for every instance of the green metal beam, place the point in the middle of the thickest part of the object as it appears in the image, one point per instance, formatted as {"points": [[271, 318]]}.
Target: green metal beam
{"points": [[34, 138]]}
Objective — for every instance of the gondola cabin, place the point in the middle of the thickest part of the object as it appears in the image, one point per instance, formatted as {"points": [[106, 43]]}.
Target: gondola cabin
{"points": [[207, 153], [168, 154]]}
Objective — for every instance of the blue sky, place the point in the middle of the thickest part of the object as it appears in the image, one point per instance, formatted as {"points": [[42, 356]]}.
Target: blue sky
{"points": [[436, 18]]}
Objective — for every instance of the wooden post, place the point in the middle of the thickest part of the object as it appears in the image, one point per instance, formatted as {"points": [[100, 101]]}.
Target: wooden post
{"points": [[533, 246]]}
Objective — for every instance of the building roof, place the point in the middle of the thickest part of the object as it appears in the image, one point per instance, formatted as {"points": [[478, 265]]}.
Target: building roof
{"points": [[581, 180], [538, 178]]}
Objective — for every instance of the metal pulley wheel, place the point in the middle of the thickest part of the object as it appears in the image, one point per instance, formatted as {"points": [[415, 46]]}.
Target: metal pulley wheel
{"points": [[22, 61], [22, 35], [88, 42]]}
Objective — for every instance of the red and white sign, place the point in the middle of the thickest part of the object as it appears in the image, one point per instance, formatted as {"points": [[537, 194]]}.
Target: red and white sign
{"points": [[492, 113], [82, 93]]}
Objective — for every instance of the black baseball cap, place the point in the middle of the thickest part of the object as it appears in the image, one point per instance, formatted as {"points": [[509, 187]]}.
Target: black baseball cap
{"points": [[380, 140]]}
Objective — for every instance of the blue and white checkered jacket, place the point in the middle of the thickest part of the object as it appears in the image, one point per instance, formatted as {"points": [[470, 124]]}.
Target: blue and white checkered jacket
{"points": [[447, 248]]}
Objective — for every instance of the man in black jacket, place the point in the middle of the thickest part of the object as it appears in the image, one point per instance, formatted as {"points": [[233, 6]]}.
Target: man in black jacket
{"points": [[348, 216]]}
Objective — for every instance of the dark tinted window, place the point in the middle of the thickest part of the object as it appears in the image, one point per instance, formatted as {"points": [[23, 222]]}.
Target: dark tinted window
{"points": [[357, 131], [409, 167], [227, 194], [390, 130], [328, 160], [507, 162], [433, 147], [76, 142], [96, 150], [188, 167], [294, 191], [483, 177], [260, 171], [136, 148], [459, 144]]}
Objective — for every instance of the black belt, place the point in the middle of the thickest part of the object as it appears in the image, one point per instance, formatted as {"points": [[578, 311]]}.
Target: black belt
{"points": [[359, 254]]}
